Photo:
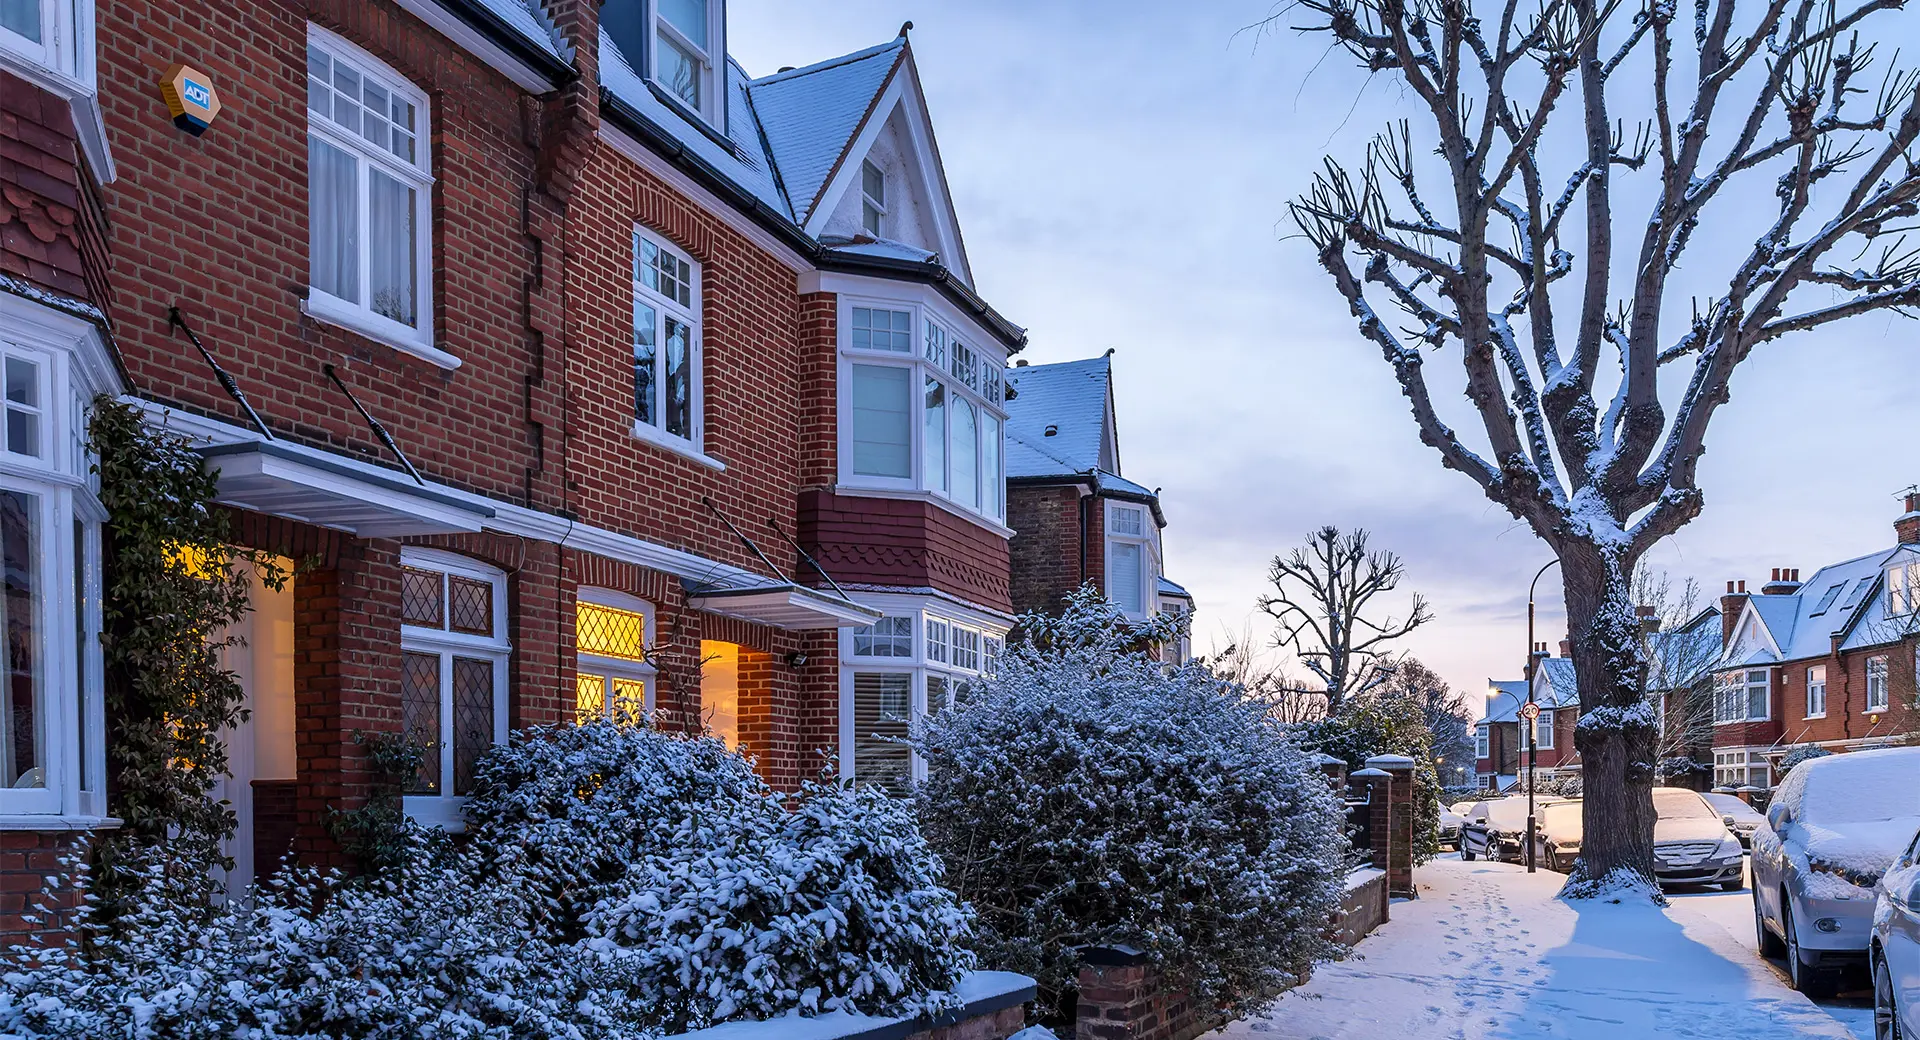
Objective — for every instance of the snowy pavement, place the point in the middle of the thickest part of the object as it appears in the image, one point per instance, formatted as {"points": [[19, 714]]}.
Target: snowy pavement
{"points": [[1488, 953]]}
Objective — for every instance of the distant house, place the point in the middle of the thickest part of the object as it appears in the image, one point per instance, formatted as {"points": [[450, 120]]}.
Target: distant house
{"points": [[1828, 662], [1498, 751], [1556, 691], [1680, 663], [1076, 519]]}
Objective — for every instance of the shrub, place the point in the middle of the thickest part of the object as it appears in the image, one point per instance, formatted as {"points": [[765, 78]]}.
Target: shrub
{"points": [[1801, 753], [1680, 768], [701, 897], [1385, 723], [1089, 794]]}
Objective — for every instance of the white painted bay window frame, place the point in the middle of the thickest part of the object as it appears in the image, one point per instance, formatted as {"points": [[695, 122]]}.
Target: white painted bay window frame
{"points": [[1482, 742], [62, 46], [416, 174], [1121, 532], [1735, 690], [64, 786], [970, 379], [442, 809], [1543, 730], [661, 303], [938, 630]]}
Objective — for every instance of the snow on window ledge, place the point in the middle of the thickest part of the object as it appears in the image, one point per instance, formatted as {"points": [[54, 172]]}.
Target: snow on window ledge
{"points": [[981, 993], [56, 822]]}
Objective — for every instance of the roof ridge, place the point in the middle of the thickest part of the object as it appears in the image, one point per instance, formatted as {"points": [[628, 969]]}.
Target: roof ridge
{"points": [[829, 63]]}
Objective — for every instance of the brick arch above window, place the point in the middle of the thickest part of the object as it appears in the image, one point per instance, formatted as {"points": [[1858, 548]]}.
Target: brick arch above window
{"points": [[670, 215]]}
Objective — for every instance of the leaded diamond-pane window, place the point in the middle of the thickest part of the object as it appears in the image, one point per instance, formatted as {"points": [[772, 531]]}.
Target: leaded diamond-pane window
{"points": [[422, 597], [420, 717], [472, 603], [611, 632], [590, 698], [472, 717]]}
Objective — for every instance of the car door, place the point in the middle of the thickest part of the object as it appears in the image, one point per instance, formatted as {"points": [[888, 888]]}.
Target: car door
{"points": [[1902, 945], [1768, 865], [1474, 830]]}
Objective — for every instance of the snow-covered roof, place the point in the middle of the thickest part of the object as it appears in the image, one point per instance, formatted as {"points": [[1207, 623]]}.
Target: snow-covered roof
{"points": [[882, 247], [1839, 599], [1074, 399], [526, 18], [810, 116], [1504, 697], [1689, 648], [1169, 588]]}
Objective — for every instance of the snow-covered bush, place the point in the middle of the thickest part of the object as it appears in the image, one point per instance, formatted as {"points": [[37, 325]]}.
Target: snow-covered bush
{"points": [[1089, 794], [1385, 723], [696, 895], [1566, 785], [835, 905], [1680, 768], [1801, 753]]}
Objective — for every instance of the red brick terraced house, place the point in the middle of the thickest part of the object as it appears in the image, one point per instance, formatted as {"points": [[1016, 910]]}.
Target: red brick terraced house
{"points": [[658, 347], [1827, 662], [1499, 752], [1079, 520]]}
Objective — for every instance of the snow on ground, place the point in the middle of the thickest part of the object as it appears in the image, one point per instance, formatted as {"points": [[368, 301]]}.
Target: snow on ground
{"points": [[1488, 953]]}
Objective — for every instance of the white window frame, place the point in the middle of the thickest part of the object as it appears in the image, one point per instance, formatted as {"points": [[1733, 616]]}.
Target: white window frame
{"points": [[68, 578], [1903, 589], [611, 668], [1543, 730], [1738, 768], [988, 399], [712, 106], [925, 663], [1817, 680], [1149, 554], [665, 306], [443, 809], [63, 58], [1482, 742], [854, 636], [1877, 685], [1727, 691], [360, 317], [867, 201]]}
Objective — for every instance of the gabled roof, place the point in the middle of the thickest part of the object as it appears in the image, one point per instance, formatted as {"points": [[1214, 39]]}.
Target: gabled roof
{"points": [[1556, 684], [1075, 399], [1504, 698], [810, 116], [1841, 599]]}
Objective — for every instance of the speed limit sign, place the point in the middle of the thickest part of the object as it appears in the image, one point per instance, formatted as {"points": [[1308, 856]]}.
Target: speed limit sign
{"points": [[1529, 711]]}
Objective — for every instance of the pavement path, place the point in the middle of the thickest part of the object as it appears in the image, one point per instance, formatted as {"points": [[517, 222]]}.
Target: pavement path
{"points": [[1489, 953]]}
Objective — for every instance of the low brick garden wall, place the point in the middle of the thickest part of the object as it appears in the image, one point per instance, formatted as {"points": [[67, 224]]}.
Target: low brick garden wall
{"points": [[994, 1008]]}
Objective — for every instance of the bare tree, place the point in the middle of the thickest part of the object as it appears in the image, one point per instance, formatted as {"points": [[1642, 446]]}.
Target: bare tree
{"points": [[1774, 93], [1291, 701], [1321, 593], [1680, 657]]}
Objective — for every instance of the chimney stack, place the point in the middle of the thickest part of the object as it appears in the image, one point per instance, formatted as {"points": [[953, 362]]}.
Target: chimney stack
{"points": [[1730, 606], [1649, 619], [1566, 648], [1906, 530], [1785, 582]]}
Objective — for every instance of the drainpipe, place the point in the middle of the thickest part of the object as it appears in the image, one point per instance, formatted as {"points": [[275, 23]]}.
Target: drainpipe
{"points": [[1084, 527]]}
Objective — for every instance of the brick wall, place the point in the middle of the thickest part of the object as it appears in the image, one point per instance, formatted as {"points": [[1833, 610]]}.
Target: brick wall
{"points": [[1846, 716], [1128, 1001], [1045, 552], [218, 224], [51, 226], [27, 858]]}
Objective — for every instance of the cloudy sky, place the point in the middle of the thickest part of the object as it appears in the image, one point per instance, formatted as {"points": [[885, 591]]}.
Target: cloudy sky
{"points": [[1121, 172]]}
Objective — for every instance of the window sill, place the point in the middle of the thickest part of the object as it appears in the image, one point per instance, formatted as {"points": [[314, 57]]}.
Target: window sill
{"points": [[324, 308], [432, 810], [56, 822], [1810, 718], [642, 432]]}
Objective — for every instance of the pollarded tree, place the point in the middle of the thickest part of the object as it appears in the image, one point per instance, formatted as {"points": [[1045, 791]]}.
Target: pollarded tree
{"points": [[1321, 595], [1513, 260]]}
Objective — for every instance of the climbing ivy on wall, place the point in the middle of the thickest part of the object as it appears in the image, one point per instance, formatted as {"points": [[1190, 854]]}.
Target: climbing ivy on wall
{"points": [[172, 588]]}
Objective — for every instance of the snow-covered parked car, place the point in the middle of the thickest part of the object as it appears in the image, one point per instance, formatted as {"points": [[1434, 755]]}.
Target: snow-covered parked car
{"points": [[1497, 829], [1894, 955], [1742, 819], [1691, 843], [1833, 828], [1560, 829], [1450, 824]]}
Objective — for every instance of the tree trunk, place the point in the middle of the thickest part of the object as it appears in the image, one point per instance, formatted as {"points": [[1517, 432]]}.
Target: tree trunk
{"points": [[1617, 736]]}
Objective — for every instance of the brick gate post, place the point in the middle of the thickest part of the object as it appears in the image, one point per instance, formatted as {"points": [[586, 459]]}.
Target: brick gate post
{"points": [[1399, 813]]}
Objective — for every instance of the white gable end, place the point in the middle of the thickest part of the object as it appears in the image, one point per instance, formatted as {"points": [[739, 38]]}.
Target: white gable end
{"points": [[907, 207], [1752, 638]]}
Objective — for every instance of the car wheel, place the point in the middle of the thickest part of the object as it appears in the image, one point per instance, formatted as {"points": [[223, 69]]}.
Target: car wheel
{"points": [[1886, 1014], [1805, 977], [1466, 851], [1768, 943]]}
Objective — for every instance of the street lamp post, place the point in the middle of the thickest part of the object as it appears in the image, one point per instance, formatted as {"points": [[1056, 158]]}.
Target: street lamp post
{"points": [[1533, 723]]}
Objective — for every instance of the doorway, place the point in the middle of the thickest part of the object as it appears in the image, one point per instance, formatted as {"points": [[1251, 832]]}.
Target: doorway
{"points": [[261, 761]]}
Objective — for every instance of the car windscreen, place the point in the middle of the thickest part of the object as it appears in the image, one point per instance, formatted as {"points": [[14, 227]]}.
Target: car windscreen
{"points": [[1562, 821], [1681, 805], [1507, 814], [1728, 805]]}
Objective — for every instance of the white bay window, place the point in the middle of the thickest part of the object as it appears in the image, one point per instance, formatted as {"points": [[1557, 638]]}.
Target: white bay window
{"points": [[929, 421], [1132, 557], [369, 198], [889, 680]]}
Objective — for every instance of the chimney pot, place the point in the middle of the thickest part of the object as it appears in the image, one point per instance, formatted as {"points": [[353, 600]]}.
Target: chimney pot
{"points": [[1729, 588], [1743, 586], [1776, 574]]}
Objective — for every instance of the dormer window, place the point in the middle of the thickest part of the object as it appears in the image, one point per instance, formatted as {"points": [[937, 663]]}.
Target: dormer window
{"points": [[873, 197], [687, 52], [1903, 589]]}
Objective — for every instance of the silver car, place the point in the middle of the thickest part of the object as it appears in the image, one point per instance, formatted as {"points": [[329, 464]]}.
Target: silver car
{"points": [[1894, 955], [1833, 828], [1691, 844], [1742, 819]]}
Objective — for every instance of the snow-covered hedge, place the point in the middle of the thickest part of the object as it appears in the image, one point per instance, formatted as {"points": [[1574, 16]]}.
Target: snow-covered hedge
{"points": [[1089, 794], [1801, 753], [616, 883]]}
